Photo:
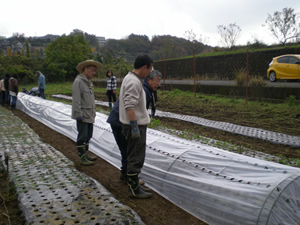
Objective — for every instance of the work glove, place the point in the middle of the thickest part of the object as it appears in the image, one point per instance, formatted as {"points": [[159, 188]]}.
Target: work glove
{"points": [[114, 91], [135, 132], [79, 118]]}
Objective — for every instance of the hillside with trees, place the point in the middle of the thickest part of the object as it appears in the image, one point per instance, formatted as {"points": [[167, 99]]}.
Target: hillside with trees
{"points": [[57, 56], [159, 47]]}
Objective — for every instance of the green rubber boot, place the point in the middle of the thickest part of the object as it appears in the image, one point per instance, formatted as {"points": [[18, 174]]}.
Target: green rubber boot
{"points": [[89, 157], [83, 156], [135, 191]]}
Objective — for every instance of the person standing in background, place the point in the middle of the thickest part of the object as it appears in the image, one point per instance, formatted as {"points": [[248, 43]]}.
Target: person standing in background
{"points": [[151, 84], [6, 84], [41, 83], [111, 88], [13, 90], [2, 92], [84, 108]]}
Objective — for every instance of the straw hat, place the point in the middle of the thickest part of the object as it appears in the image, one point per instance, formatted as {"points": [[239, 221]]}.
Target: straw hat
{"points": [[88, 62]]}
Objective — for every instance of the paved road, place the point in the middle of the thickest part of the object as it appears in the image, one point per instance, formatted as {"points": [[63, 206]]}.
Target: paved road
{"points": [[231, 83]]}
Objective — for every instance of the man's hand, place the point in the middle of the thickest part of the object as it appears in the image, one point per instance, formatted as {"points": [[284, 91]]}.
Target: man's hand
{"points": [[79, 118], [114, 91], [135, 132]]}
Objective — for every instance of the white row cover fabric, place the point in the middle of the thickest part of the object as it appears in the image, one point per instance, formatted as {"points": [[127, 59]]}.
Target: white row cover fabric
{"points": [[275, 137], [217, 186]]}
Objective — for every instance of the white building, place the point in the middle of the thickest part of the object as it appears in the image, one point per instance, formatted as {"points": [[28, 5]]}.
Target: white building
{"points": [[101, 40]]}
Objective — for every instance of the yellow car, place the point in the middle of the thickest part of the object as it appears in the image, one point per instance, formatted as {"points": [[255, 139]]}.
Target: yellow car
{"points": [[284, 67]]}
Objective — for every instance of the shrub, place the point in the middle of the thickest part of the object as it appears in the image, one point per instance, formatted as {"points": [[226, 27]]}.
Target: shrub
{"points": [[257, 81], [240, 76], [54, 73], [291, 100]]}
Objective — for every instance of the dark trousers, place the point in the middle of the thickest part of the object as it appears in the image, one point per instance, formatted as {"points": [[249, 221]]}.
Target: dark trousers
{"points": [[2, 99], [122, 144], [136, 149], [111, 96], [13, 102], [42, 93], [7, 97], [85, 132]]}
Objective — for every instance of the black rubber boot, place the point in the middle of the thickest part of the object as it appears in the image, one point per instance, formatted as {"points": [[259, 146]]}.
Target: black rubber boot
{"points": [[123, 177], [110, 106], [83, 156], [90, 158], [146, 189], [135, 191]]}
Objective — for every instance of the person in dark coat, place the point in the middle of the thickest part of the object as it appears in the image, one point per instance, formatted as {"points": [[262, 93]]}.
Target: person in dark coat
{"points": [[6, 84], [2, 92], [13, 91]]}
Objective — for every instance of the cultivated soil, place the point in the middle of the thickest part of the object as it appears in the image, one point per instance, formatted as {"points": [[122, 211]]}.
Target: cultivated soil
{"points": [[158, 210]]}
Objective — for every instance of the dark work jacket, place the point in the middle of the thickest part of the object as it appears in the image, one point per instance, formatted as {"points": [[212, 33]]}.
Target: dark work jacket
{"points": [[6, 83], [13, 85], [113, 117], [151, 97]]}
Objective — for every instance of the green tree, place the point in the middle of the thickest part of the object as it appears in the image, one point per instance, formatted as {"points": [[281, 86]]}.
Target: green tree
{"points": [[28, 53], [23, 66], [256, 43], [35, 52], [229, 35], [168, 49], [66, 52], [283, 25], [108, 58], [8, 51], [90, 38], [177, 47]]}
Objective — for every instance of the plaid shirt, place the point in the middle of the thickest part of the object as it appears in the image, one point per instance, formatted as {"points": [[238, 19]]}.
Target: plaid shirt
{"points": [[111, 83]]}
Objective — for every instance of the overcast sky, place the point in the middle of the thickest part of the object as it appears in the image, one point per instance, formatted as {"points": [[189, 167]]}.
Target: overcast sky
{"points": [[119, 18]]}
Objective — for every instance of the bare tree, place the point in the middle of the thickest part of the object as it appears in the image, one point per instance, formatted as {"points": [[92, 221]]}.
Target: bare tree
{"points": [[196, 43], [230, 34], [195, 46], [283, 25]]}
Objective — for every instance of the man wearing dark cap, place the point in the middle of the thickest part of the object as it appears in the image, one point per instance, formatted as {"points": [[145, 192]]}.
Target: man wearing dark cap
{"points": [[134, 117], [83, 108]]}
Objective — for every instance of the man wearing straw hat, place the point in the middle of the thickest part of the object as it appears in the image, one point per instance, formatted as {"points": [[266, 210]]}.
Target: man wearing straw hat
{"points": [[83, 108]]}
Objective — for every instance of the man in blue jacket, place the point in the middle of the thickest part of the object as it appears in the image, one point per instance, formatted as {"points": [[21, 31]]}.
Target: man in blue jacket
{"points": [[41, 83], [151, 84]]}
